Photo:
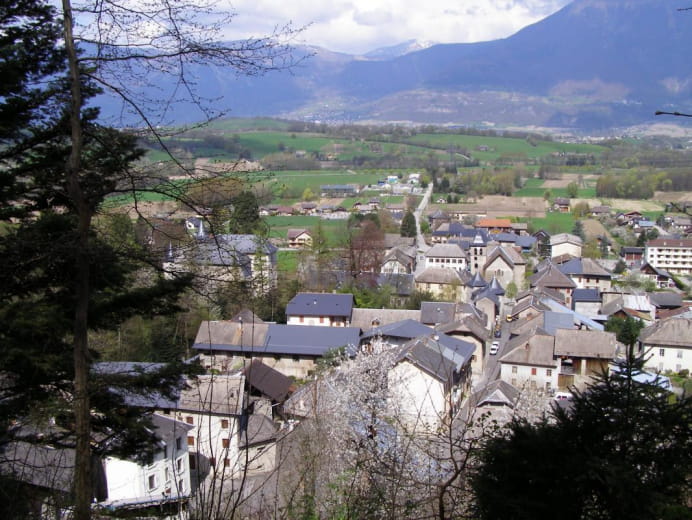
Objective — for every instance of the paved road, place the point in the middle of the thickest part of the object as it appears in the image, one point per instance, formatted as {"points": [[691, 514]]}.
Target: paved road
{"points": [[421, 245], [491, 370]]}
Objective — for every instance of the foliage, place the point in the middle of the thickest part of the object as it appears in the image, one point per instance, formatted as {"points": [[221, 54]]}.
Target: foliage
{"points": [[408, 225], [626, 330], [580, 209], [572, 190], [624, 453], [245, 217], [578, 229], [511, 290], [620, 267]]}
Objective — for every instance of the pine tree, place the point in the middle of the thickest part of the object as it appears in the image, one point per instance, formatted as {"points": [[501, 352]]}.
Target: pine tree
{"points": [[408, 225]]}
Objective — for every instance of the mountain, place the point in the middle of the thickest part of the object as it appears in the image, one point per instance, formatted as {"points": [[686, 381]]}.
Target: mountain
{"points": [[394, 51], [595, 64]]}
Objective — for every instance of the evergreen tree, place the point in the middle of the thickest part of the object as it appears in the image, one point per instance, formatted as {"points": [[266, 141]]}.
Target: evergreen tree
{"points": [[408, 225]]}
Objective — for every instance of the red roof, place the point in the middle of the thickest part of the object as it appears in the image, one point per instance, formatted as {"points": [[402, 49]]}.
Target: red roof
{"points": [[494, 223], [670, 242]]}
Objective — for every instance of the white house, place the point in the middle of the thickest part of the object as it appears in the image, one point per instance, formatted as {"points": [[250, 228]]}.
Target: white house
{"points": [[449, 256], [667, 345], [530, 361], [565, 244], [132, 483], [321, 309]]}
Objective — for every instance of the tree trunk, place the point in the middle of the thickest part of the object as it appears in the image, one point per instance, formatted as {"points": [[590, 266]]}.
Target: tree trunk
{"points": [[82, 470]]}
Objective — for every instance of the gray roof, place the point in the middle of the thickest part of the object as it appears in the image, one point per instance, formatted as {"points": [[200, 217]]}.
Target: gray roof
{"points": [[449, 250], [585, 343], [666, 299], [674, 332], [432, 313], [586, 295], [578, 318], [561, 238], [320, 304], [583, 266], [364, 318], [214, 394], [552, 321], [230, 335], [257, 429], [496, 393], [267, 381], [437, 356], [230, 250], [551, 277], [531, 349], [134, 395], [477, 281], [305, 340], [470, 324], [440, 275], [39, 465], [408, 329]]}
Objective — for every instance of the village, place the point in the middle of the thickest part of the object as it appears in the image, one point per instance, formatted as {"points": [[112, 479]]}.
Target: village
{"points": [[516, 323]]}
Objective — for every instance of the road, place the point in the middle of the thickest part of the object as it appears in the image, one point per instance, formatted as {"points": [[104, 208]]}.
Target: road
{"points": [[420, 239], [491, 370]]}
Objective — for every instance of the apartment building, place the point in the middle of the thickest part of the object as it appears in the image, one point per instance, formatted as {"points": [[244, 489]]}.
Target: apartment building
{"points": [[672, 254]]}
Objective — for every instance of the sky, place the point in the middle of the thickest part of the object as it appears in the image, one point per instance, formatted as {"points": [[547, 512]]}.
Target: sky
{"points": [[359, 26]]}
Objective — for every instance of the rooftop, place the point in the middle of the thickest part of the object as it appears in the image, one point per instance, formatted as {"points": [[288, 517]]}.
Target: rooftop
{"points": [[320, 304]]}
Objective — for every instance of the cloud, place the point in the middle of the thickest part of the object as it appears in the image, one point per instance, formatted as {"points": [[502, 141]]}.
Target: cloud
{"points": [[358, 26]]}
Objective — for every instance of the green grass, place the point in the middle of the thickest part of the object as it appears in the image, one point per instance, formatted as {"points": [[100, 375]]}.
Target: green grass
{"points": [[534, 188], [553, 223], [287, 261], [279, 226]]}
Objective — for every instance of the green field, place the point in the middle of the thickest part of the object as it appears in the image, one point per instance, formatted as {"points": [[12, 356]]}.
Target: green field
{"points": [[553, 223], [279, 226], [534, 188], [498, 146]]}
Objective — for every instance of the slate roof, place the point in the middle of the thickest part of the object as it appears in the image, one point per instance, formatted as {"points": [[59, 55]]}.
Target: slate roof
{"points": [[509, 254], [131, 395], [438, 357], [466, 324], [579, 319], [585, 344], [256, 429], [320, 304], [496, 393], [39, 465], [586, 295], [268, 381], [551, 277], [583, 267], [668, 300], [477, 281], [432, 313], [407, 329], [305, 340], [532, 350], [673, 332]]}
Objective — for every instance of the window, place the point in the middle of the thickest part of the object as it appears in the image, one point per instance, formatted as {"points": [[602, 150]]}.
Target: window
{"points": [[192, 459], [679, 355], [181, 486], [178, 443], [225, 443], [548, 373], [189, 420], [514, 381], [514, 370], [661, 352], [153, 484], [166, 476], [179, 465], [533, 371], [226, 463], [190, 440], [224, 424], [301, 319], [321, 319]]}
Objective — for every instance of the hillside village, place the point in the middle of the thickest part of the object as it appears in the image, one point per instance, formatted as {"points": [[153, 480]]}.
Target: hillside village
{"points": [[515, 323]]}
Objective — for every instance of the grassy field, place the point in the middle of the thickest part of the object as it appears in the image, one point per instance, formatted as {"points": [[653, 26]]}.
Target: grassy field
{"points": [[535, 188], [287, 261], [279, 226], [553, 223], [497, 146]]}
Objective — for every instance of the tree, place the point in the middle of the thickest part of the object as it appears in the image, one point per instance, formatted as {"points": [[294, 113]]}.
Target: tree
{"points": [[580, 209], [511, 290], [408, 225], [572, 190], [308, 195], [620, 267], [624, 453], [578, 229], [245, 217], [59, 163]]}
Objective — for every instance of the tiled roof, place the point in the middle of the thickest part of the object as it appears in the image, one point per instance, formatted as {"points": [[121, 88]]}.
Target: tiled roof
{"points": [[320, 304], [670, 332], [585, 343]]}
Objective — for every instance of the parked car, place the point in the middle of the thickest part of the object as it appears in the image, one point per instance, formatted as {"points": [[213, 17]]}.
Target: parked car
{"points": [[562, 396], [494, 348]]}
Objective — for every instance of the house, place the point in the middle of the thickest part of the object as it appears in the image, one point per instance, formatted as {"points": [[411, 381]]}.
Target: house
{"points": [[550, 277], [529, 361], [323, 309], [583, 354], [308, 208], [446, 284], [167, 476], [643, 225], [672, 254], [505, 264], [438, 217], [227, 258], [561, 204], [586, 273], [292, 350], [263, 382], [680, 223], [446, 256], [600, 211], [565, 243], [472, 330], [629, 218], [494, 225], [632, 256], [393, 335], [299, 238], [428, 381], [399, 260], [667, 345], [660, 277], [496, 400], [586, 301]]}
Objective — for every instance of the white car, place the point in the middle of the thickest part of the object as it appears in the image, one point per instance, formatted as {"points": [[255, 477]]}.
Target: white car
{"points": [[494, 348]]}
